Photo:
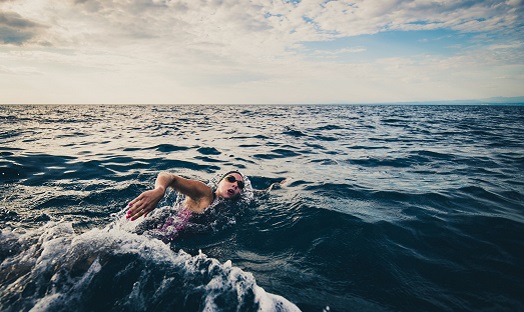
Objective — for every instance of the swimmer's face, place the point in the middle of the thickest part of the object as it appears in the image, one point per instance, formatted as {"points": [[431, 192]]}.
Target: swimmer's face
{"points": [[230, 186]]}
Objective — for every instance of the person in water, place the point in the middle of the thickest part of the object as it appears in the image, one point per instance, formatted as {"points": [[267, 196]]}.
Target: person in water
{"points": [[199, 196]]}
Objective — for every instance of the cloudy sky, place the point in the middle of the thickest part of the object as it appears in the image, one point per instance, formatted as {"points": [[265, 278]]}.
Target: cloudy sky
{"points": [[259, 51]]}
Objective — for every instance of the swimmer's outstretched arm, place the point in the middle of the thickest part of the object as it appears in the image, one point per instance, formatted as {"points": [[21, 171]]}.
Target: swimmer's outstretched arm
{"points": [[148, 200]]}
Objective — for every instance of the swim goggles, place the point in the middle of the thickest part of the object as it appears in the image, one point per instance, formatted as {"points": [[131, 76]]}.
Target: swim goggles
{"points": [[232, 179]]}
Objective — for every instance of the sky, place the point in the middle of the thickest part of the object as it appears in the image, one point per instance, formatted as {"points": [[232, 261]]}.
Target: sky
{"points": [[259, 51]]}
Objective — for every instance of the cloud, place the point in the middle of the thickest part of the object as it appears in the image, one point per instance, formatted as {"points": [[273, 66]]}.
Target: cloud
{"points": [[350, 18], [246, 28], [511, 45], [234, 49], [19, 70], [14, 29]]}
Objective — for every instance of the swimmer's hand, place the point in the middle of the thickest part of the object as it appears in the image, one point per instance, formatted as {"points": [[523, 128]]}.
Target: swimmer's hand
{"points": [[282, 183], [144, 203], [278, 185], [273, 186]]}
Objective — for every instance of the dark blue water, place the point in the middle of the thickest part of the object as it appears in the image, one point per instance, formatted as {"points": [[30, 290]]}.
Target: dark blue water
{"points": [[389, 208]]}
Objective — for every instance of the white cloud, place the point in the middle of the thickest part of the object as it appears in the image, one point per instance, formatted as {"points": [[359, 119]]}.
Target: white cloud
{"points": [[338, 52], [225, 50], [227, 25], [510, 45]]}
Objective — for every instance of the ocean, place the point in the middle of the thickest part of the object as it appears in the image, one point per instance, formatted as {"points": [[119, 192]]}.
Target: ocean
{"points": [[386, 208]]}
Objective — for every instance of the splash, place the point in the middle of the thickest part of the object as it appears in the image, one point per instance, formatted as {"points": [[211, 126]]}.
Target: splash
{"points": [[53, 268]]}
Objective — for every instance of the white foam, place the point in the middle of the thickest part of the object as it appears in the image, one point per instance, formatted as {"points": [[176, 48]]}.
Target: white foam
{"points": [[273, 303], [60, 266]]}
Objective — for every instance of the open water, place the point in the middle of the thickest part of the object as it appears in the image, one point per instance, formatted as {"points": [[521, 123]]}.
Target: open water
{"points": [[388, 208]]}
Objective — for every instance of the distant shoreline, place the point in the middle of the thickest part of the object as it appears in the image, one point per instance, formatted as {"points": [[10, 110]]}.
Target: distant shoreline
{"points": [[495, 101]]}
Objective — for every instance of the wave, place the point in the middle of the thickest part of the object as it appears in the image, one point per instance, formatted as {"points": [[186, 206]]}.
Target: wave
{"points": [[54, 269], [389, 208]]}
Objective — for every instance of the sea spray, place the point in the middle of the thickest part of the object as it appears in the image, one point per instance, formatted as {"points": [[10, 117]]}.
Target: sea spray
{"points": [[110, 269]]}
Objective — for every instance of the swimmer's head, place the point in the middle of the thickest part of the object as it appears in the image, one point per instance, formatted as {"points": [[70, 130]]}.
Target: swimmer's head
{"points": [[231, 185]]}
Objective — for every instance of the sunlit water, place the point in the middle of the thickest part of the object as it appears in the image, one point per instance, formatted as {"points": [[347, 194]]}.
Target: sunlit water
{"points": [[388, 208]]}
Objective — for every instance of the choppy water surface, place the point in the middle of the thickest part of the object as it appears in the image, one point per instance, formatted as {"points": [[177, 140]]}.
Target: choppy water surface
{"points": [[389, 208]]}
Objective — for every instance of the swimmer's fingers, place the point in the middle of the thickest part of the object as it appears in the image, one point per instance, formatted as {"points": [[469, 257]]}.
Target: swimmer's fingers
{"points": [[278, 185], [134, 201], [135, 205], [139, 210], [138, 214], [144, 204]]}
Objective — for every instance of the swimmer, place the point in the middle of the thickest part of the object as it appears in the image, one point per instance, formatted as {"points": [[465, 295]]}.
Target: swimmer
{"points": [[199, 196]]}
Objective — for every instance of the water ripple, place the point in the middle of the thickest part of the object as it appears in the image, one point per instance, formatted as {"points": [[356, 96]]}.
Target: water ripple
{"points": [[388, 207]]}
